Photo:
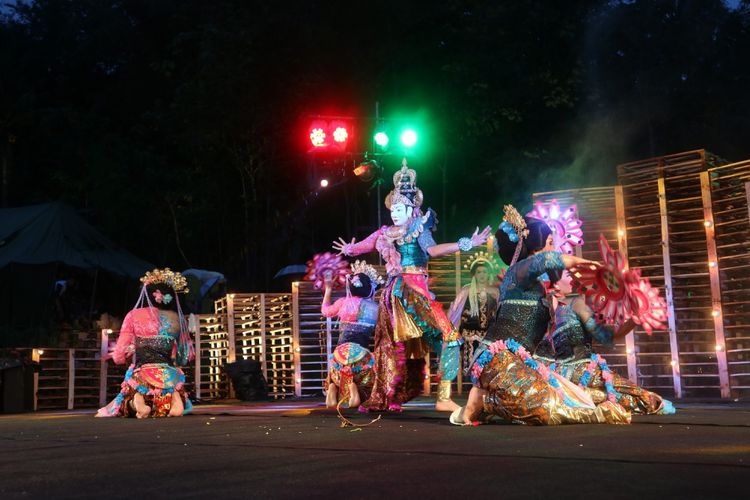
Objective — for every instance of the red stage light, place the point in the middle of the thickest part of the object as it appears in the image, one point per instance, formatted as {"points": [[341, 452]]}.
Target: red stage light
{"points": [[317, 137], [324, 134], [318, 133], [340, 134]]}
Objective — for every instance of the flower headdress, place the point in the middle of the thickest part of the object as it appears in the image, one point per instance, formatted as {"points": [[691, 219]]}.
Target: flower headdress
{"points": [[168, 277], [405, 188], [514, 226]]}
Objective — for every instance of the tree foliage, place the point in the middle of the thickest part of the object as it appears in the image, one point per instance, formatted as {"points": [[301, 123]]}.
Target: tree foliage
{"points": [[176, 125]]}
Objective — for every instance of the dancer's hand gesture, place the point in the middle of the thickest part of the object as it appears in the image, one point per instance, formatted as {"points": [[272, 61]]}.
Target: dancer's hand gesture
{"points": [[478, 238], [340, 245]]}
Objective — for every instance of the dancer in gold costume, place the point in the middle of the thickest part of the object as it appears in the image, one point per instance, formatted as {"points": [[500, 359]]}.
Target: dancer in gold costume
{"points": [[508, 383]]}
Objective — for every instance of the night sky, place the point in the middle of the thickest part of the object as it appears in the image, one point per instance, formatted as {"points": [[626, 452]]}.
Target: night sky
{"points": [[180, 128]]}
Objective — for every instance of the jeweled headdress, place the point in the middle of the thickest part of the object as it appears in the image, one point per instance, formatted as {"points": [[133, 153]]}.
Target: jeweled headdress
{"points": [[362, 267], [168, 277], [514, 226], [405, 188], [483, 258]]}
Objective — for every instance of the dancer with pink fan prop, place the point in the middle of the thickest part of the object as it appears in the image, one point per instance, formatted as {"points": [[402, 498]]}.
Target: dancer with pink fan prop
{"points": [[350, 376], [509, 383], [572, 354]]}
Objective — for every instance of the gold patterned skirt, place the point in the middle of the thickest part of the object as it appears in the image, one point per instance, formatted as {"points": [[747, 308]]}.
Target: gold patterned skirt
{"points": [[631, 396], [517, 393]]}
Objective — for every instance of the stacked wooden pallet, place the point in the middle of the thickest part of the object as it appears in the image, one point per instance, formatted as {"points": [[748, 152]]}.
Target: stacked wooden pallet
{"points": [[212, 353], [729, 201], [311, 339], [279, 343], [258, 326], [54, 389], [666, 238]]}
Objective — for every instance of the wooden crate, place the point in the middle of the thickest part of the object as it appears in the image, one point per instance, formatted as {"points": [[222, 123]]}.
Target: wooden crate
{"points": [[211, 352], [729, 201], [666, 238], [257, 326]]}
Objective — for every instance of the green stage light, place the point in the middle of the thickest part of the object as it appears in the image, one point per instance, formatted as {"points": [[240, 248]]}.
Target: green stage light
{"points": [[408, 138], [381, 139]]}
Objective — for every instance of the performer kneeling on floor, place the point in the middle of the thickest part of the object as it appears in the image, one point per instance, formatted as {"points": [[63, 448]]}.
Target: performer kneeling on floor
{"points": [[351, 375], [155, 335], [508, 383]]}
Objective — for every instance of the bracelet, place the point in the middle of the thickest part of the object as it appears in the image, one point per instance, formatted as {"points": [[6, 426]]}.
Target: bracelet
{"points": [[465, 244]]}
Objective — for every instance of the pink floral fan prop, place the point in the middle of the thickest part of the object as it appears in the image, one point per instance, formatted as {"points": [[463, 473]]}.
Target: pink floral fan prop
{"points": [[617, 294], [650, 309], [326, 263], [565, 224]]}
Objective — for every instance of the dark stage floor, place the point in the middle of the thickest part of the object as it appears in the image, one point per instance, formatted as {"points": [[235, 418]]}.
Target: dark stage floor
{"points": [[298, 450]]}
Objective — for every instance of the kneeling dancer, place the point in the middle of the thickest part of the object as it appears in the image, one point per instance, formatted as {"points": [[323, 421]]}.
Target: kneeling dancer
{"points": [[155, 335], [508, 383]]}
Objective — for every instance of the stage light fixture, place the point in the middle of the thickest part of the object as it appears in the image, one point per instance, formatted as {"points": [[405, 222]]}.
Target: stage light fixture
{"points": [[324, 183], [340, 131], [317, 137], [409, 138], [368, 170], [381, 139], [340, 134]]}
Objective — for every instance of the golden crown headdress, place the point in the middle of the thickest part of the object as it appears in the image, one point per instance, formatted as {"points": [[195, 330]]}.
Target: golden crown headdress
{"points": [[516, 221], [405, 188], [360, 266], [168, 277], [483, 258]]}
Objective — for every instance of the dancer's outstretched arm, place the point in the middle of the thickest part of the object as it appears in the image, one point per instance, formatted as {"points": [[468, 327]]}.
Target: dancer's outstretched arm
{"points": [[447, 248], [357, 248]]}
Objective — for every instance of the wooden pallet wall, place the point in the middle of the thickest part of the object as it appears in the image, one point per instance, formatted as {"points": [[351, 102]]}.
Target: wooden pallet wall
{"points": [[729, 188], [666, 237]]}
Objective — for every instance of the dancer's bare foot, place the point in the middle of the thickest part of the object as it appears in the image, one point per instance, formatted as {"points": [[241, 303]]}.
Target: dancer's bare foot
{"points": [[177, 408], [446, 405], [332, 396], [353, 396], [474, 405], [142, 410]]}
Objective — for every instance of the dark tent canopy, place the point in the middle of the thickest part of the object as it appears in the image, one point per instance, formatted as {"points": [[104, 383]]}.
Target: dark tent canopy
{"points": [[37, 245], [54, 232]]}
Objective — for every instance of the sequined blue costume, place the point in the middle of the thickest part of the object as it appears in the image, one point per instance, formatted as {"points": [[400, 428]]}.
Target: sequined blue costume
{"points": [[524, 313], [516, 387], [574, 358]]}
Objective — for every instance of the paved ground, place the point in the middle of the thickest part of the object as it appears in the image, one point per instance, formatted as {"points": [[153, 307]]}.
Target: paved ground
{"points": [[298, 450]]}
